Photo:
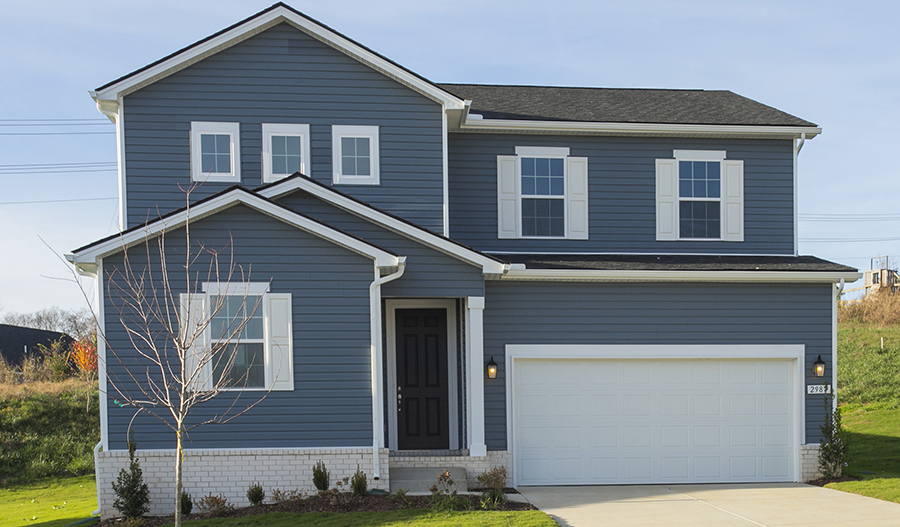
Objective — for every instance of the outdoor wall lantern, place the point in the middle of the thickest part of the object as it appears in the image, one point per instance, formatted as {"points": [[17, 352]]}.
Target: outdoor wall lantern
{"points": [[819, 367], [492, 369]]}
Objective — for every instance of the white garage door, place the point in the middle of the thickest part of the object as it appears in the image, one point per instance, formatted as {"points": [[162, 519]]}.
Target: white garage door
{"points": [[580, 422]]}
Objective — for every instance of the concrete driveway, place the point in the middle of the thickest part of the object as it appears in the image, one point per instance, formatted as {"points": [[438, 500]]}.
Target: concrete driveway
{"points": [[750, 505]]}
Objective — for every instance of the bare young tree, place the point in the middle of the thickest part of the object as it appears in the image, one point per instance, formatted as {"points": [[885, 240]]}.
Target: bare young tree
{"points": [[183, 346]]}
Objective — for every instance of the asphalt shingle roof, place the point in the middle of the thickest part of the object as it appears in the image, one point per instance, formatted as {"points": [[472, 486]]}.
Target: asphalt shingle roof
{"points": [[653, 262], [618, 105]]}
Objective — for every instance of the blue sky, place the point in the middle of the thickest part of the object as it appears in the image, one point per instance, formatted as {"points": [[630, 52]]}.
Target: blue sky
{"points": [[833, 63]]}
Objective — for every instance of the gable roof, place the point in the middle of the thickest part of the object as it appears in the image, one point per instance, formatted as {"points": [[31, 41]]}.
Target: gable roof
{"points": [[87, 257], [489, 264], [276, 14], [17, 341]]}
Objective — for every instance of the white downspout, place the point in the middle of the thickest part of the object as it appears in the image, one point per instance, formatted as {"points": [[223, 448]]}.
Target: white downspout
{"points": [[838, 290], [97, 471], [797, 147], [377, 353]]}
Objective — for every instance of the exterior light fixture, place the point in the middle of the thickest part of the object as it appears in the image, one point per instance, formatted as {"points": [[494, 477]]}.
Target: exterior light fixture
{"points": [[819, 367], [492, 369]]}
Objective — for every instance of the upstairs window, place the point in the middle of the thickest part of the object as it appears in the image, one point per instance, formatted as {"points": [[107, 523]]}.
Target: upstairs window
{"points": [[285, 151], [699, 196], [542, 193], [355, 155], [215, 152]]}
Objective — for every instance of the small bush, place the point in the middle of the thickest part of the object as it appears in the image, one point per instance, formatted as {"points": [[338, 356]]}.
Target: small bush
{"points": [[256, 494], [285, 496], [321, 477], [833, 448], [400, 495], [494, 478], [492, 499], [187, 504], [132, 494], [214, 505], [444, 497], [359, 484]]}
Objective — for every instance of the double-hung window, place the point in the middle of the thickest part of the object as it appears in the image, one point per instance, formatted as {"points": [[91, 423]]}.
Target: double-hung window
{"points": [[542, 193], [215, 152], [243, 337], [355, 155], [699, 196], [285, 151]]}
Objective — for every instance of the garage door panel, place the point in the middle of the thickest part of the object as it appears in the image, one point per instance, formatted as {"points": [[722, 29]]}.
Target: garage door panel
{"points": [[662, 421]]}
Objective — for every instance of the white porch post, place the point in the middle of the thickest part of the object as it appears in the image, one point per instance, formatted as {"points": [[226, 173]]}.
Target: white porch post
{"points": [[475, 374]]}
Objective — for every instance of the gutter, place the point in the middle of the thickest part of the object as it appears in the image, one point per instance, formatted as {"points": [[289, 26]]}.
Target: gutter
{"points": [[377, 354], [630, 275]]}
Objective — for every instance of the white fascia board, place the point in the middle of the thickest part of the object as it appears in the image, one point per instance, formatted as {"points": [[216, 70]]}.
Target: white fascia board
{"points": [[591, 275], [93, 255], [502, 125], [488, 265], [263, 22]]}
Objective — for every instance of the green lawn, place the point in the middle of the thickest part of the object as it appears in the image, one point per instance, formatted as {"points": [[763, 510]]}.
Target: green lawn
{"points": [[875, 450], [868, 374], [48, 503], [386, 519]]}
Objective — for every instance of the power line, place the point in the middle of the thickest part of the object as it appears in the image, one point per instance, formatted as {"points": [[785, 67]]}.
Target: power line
{"points": [[53, 201], [58, 133], [56, 124], [57, 168], [50, 120], [28, 173], [48, 165]]}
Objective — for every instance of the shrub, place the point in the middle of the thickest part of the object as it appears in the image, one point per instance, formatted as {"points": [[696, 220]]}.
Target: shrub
{"points": [[400, 495], [494, 478], [321, 477], [132, 494], [256, 494], [187, 504], [492, 499], [444, 497], [833, 448], [359, 483], [214, 505], [285, 496]]}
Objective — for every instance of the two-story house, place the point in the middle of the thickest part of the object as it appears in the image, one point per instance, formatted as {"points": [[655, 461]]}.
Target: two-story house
{"points": [[587, 286]]}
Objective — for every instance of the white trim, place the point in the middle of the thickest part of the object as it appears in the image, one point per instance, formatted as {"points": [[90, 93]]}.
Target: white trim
{"points": [[120, 154], [628, 275], [237, 196], [198, 172], [475, 377], [359, 132], [797, 146], [794, 352], [473, 124], [699, 155], [102, 373], [444, 245], [636, 254], [542, 151], [445, 165], [265, 20], [391, 306], [270, 130], [235, 288]]}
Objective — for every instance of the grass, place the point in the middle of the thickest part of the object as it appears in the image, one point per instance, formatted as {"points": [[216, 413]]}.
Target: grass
{"points": [[867, 374], [875, 449], [48, 503], [396, 518], [45, 431]]}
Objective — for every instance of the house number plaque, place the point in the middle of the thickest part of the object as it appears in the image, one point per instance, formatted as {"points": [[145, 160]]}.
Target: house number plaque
{"points": [[818, 389]]}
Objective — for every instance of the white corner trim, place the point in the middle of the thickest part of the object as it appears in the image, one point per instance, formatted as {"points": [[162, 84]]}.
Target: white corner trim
{"points": [[103, 384], [200, 173], [360, 132], [699, 155], [678, 276], [121, 165], [270, 130], [445, 166], [263, 21], [542, 151], [444, 245], [498, 125], [112, 245]]}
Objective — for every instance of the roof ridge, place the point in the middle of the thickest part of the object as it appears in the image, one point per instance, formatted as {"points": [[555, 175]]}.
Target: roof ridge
{"points": [[577, 87]]}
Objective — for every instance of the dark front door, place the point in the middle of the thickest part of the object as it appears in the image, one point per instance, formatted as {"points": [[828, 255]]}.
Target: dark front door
{"points": [[422, 400]]}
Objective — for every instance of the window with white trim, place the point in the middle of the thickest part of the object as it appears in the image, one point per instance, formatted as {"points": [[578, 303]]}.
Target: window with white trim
{"points": [[250, 331], [542, 193], [355, 155], [215, 152], [285, 151], [699, 196]]}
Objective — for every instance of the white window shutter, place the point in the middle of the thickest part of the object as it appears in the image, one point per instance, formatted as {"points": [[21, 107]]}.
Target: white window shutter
{"points": [[507, 197], [279, 341], [666, 199], [733, 217], [577, 197], [193, 315]]}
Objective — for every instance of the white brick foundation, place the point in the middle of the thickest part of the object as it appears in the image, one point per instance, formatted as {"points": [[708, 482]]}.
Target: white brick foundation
{"points": [[231, 472], [809, 462]]}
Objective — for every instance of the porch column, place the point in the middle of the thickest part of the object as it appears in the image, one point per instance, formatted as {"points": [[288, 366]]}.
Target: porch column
{"points": [[475, 374]]}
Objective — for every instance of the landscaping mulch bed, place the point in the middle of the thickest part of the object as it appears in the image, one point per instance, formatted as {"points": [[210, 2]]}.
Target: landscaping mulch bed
{"points": [[821, 482], [342, 503]]}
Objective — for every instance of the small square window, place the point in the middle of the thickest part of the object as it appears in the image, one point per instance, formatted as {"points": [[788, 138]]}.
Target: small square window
{"points": [[355, 155], [215, 152], [285, 151]]}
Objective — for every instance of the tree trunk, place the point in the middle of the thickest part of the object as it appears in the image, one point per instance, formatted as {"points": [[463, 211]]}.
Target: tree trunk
{"points": [[179, 460]]}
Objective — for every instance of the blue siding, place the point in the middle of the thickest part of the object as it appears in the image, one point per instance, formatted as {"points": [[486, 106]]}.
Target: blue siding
{"points": [[583, 313], [331, 405], [622, 192], [429, 273], [283, 76]]}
